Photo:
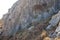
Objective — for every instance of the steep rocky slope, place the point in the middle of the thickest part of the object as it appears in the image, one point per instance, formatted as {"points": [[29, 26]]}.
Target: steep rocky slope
{"points": [[32, 20]]}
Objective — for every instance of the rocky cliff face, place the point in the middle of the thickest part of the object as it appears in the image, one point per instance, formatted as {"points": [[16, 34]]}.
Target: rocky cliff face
{"points": [[31, 15]]}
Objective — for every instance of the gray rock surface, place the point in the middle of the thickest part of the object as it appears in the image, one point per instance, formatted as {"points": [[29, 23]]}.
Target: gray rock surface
{"points": [[54, 21], [25, 12], [58, 30]]}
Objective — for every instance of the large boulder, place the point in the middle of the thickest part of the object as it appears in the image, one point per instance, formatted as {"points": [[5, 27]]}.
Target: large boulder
{"points": [[25, 12]]}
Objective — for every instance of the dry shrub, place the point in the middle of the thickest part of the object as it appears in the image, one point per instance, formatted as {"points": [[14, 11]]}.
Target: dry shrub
{"points": [[46, 38], [57, 38], [43, 34]]}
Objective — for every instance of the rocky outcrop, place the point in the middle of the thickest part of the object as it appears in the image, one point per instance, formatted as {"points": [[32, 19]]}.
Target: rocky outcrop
{"points": [[28, 14], [54, 24]]}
